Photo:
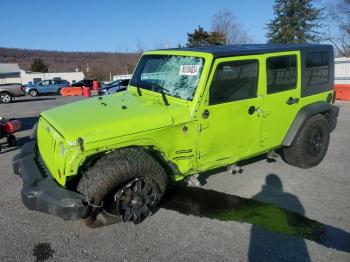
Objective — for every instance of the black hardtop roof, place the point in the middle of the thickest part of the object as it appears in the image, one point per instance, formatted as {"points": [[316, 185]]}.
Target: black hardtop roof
{"points": [[251, 49]]}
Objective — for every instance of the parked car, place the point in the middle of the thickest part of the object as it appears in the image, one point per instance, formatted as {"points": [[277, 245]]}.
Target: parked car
{"points": [[186, 111], [86, 83], [113, 87], [9, 91], [46, 87]]}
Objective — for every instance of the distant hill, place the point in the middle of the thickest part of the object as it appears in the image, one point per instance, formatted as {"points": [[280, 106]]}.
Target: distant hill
{"points": [[100, 64]]}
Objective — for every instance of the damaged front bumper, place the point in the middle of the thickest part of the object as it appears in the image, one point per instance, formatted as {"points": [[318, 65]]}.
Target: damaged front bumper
{"points": [[41, 192]]}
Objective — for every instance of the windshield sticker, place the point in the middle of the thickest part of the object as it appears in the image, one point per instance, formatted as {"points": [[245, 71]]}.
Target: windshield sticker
{"points": [[189, 70]]}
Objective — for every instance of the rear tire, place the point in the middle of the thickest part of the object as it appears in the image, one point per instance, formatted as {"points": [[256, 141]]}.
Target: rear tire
{"points": [[5, 97], [33, 92], [116, 185], [311, 144]]}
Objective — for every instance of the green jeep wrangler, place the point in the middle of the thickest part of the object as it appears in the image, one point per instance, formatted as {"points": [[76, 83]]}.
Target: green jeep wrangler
{"points": [[186, 111]]}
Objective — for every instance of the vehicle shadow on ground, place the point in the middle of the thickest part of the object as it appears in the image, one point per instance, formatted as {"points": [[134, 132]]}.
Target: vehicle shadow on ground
{"points": [[33, 99], [6, 149], [278, 225], [27, 123], [205, 175]]}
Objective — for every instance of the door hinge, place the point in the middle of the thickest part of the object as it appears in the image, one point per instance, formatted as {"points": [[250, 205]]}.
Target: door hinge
{"points": [[202, 126]]}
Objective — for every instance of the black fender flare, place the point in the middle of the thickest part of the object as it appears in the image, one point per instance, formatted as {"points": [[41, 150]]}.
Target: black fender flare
{"points": [[328, 110]]}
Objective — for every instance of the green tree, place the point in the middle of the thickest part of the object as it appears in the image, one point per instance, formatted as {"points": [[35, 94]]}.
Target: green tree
{"points": [[39, 66], [201, 37], [296, 21]]}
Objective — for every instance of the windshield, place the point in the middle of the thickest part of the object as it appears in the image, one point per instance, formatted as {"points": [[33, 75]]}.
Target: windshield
{"points": [[176, 76]]}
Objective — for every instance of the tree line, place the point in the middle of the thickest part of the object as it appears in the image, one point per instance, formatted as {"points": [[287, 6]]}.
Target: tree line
{"points": [[94, 64]]}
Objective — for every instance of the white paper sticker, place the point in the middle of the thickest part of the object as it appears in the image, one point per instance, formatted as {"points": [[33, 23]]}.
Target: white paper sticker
{"points": [[189, 70]]}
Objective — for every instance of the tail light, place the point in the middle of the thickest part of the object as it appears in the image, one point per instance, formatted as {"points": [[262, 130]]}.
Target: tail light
{"points": [[12, 126], [21, 87]]}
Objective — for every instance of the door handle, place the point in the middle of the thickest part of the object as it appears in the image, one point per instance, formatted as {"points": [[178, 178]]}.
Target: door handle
{"points": [[292, 101]]}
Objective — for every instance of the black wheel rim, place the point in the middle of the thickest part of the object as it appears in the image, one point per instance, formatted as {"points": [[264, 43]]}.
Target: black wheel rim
{"points": [[314, 142], [136, 200]]}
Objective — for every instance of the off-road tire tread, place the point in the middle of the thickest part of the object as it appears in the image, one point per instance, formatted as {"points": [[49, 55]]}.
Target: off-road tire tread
{"points": [[117, 168], [295, 155]]}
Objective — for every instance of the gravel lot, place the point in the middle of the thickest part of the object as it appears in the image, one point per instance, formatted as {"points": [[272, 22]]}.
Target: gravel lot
{"points": [[321, 193]]}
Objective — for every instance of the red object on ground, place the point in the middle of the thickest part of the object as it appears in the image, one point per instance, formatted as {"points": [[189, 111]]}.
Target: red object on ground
{"points": [[86, 91], [71, 91], [342, 92], [95, 85], [11, 126]]}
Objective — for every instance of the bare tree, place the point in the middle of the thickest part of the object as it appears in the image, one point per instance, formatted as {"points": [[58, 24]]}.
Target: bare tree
{"points": [[338, 31], [225, 22]]}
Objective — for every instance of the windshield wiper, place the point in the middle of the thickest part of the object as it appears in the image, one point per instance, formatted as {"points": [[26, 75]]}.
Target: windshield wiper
{"points": [[162, 89]]}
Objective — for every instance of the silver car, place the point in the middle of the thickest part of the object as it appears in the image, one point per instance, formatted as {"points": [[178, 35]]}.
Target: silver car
{"points": [[9, 91]]}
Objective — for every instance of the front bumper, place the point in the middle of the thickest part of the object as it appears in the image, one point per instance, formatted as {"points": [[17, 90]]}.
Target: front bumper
{"points": [[40, 191]]}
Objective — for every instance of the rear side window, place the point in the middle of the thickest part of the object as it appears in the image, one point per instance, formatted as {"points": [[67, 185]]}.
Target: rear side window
{"points": [[317, 68], [281, 73], [233, 81]]}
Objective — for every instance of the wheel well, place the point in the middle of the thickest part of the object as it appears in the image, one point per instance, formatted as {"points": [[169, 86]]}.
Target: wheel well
{"points": [[6, 91], [169, 167], [329, 111]]}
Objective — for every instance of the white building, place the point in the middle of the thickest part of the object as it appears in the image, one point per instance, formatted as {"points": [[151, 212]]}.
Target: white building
{"points": [[342, 70], [27, 76], [10, 73]]}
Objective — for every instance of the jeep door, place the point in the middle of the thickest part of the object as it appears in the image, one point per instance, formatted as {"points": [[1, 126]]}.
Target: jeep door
{"points": [[281, 96], [229, 115]]}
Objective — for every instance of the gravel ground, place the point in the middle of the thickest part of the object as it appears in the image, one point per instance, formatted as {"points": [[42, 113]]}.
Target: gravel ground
{"points": [[321, 193]]}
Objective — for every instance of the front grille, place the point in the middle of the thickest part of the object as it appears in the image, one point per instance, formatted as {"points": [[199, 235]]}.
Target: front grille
{"points": [[46, 144]]}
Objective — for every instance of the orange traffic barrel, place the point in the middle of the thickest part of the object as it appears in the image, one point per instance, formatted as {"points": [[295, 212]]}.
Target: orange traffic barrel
{"points": [[95, 85], [86, 91], [342, 92]]}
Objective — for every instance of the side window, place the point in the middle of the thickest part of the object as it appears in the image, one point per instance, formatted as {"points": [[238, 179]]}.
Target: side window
{"points": [[317, 68], [235, 80], [44, 83], [281, 72], [125, 82]]}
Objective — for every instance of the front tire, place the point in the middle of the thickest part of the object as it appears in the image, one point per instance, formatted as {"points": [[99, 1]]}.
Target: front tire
{"points": [[126, 184], [5, 97], [311, 144]]}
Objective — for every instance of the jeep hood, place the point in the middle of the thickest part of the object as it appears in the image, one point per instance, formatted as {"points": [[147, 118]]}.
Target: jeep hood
{"points": [[114, 115]]}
